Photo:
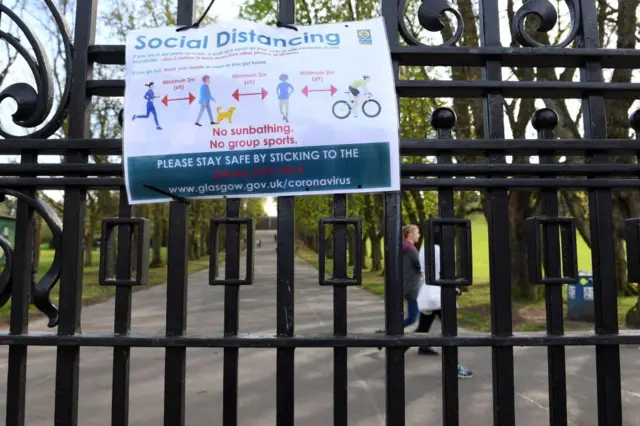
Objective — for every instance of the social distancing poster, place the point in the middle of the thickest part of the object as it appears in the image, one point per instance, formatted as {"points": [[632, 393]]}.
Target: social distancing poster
{"points": [[241, 109]]}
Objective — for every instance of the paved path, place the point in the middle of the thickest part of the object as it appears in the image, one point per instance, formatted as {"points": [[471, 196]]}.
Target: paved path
{"points": [[314, 367]]}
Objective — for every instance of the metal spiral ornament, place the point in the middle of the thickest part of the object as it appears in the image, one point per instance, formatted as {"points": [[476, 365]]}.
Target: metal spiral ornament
{"points": [[41, 291], [430, 18], [35, 104], [5, 276], [548, 16]]}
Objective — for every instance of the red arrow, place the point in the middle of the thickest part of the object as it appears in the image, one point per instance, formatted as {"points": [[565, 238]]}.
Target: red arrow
{"points": [[306, 90], [237, 94], [166, 99]]}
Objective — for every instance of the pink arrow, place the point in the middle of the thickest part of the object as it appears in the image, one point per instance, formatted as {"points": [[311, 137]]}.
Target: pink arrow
{"points": [[263, 93], [166, 99], [306, 90]]}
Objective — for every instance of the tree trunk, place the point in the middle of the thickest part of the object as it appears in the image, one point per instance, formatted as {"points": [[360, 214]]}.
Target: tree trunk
{"points": [[376, 253], [351, 242], [328, 246], [88, 245], [365, 251], [156, 238], [204, 242], [519, 211]]}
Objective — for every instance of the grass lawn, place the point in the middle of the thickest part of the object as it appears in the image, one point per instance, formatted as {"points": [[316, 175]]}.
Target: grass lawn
{"points": [[91, 291], [474, 312]]}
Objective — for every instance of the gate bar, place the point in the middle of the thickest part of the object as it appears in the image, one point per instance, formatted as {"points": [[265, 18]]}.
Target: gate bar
{"points": [[393, 298], [443, 120], [602, 236], [21, 277], [68, 358], [340, 367], [498, 216], [231, 313], [177, 280], [177, 277], [545, 121], [285, 382], [122, 322]]}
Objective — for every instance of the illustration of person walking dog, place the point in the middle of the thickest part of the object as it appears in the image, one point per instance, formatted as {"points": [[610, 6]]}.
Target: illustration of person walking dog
{"points": [[205, 98]]}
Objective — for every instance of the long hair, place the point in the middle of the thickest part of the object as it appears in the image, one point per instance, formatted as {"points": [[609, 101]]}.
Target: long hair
{"points": [[149, 85]]}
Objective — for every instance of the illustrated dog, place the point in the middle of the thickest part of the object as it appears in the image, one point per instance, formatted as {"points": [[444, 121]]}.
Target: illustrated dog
{"points": [[222, 115]]}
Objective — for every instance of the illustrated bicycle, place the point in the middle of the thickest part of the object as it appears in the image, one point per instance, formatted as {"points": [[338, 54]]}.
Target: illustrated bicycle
{"points": [[370, 107]]}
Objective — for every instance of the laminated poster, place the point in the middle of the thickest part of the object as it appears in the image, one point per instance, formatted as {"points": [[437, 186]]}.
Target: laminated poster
{"points": [[241, 109]]}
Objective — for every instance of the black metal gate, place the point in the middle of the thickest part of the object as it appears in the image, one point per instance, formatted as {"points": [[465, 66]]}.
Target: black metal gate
{"points": [[552, 239]]}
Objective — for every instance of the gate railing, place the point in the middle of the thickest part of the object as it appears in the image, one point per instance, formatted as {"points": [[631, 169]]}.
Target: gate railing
{"points": [[552, 239]]}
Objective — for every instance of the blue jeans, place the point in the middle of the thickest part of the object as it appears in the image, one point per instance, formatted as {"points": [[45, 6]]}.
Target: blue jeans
{"points": [[412, 312]]}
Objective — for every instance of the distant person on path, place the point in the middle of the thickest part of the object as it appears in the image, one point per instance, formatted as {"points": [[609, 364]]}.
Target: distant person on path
{"points": [[205, 98], [151, 109], [284, 90], [411, 272], [426, 320]]}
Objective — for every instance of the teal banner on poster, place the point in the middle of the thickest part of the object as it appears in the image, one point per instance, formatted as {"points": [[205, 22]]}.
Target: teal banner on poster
{"points": [[333, 168]]}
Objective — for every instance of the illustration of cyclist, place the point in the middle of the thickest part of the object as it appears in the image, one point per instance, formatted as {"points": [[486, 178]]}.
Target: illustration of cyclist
{"points": [[151, 109], [356, 89]]}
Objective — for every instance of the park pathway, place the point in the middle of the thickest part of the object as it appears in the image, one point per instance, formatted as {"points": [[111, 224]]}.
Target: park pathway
{"points": [[314, 367]]}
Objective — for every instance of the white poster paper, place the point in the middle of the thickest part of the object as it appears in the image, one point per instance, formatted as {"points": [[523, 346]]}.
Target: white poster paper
{"points": [[240, 109]]}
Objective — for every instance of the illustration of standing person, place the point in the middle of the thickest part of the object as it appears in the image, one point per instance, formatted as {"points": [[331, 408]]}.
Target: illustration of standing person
{"points": [[283, 91], [151, 109], [205, 98]]}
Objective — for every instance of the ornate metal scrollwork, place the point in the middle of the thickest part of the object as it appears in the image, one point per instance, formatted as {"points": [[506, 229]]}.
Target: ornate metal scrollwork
{"points": [[41, 292], [548, 15], [35, 104], [5, 277], [430, 17]]}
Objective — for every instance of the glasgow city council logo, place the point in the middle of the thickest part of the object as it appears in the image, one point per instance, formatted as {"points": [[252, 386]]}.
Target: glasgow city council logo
{"points": [[364, 37]]}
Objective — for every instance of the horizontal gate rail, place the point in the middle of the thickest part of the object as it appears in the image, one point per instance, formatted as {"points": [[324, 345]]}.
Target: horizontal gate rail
{"points": [[545, 57], [302, 340], [408, 147], [460, 89]]}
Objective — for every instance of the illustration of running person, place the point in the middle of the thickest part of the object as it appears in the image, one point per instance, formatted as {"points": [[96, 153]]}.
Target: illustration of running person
{"points": [[283, 91], [151, 109], [205, 98], [355, 89]]}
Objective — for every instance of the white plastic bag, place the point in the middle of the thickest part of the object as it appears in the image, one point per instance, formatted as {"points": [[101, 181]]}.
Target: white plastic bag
{"points": [[429, 299]]}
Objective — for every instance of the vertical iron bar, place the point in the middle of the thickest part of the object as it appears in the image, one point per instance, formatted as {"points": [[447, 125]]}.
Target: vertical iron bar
{"points": [[175, 358], [285, 305], [122, 321], [545, 121], [443, 120], [498, 216], [393, 294], [285, 282], [602, 236], [231, 316], [22, 276], [68, 357], [177, 280], [340, 405]]}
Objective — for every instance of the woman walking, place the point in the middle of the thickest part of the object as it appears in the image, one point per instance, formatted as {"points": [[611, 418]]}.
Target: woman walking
{"points": [[426, 319], [411, 272]]}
